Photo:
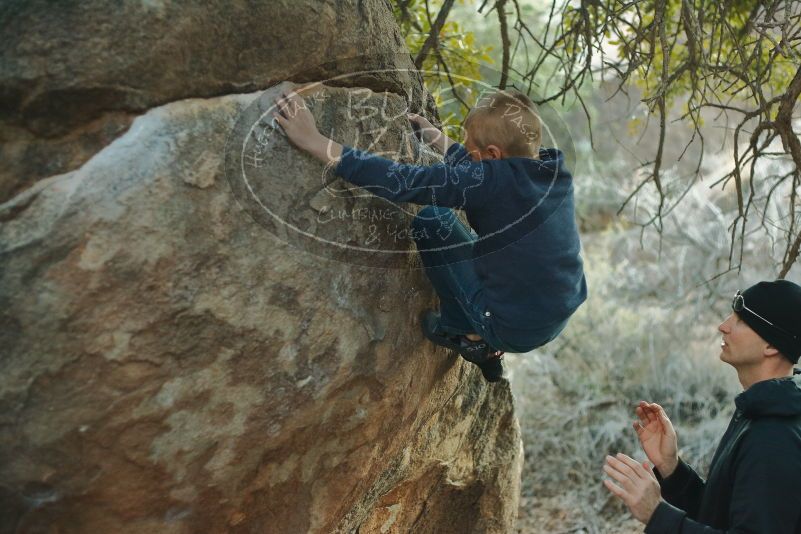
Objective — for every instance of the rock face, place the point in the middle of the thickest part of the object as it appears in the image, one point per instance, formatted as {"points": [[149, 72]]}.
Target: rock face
{"points": [[74, 74], [171, 363]]}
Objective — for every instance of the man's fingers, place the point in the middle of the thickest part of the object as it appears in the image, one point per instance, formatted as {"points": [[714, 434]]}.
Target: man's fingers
{"points": [[648, 469], [656, 413], [617, 475], [628, 460], [648, 413], [650, 416], [615, 489], [635, 467], [661, 414], [642, 415], [639, 428], [621, 467]]}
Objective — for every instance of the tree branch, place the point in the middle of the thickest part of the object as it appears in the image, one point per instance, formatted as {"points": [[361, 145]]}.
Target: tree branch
{"points": [[433, 36]]}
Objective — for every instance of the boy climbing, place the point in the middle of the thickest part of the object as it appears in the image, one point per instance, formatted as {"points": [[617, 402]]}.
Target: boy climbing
{"points": [[511, 285]]}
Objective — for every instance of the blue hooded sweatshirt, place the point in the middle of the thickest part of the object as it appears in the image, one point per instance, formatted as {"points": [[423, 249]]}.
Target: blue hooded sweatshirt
{"points": [[527, 254]]}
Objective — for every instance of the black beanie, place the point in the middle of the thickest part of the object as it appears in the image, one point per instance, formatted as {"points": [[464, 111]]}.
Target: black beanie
{"points": [[780, 303]]}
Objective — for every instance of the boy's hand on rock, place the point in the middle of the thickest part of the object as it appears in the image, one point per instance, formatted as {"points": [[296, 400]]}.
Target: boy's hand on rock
{"points": [[428, 133], [419, 120], [294, 117]]}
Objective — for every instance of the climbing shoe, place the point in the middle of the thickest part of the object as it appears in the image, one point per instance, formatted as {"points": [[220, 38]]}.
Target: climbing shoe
{"points": [[479, 352], [492, 367]]}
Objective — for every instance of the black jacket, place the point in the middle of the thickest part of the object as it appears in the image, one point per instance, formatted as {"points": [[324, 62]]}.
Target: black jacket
{"points": [[754, 482]]}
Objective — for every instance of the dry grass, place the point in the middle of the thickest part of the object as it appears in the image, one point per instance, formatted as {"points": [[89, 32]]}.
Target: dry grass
{"points": [[647, 332]]}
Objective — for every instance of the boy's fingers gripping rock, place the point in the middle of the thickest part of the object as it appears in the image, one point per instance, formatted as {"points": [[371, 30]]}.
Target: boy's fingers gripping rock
{"points": [[417, 125], [280, 106], [414, 118]]}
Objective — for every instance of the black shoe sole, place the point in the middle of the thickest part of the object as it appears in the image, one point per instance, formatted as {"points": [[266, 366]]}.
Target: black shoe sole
{"points": [[491, 368]]}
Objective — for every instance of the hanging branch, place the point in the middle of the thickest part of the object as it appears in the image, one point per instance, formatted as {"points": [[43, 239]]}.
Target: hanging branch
{"points": [[403, 6], [499, 7], [717, 64], [715, 55], [432, 41]]}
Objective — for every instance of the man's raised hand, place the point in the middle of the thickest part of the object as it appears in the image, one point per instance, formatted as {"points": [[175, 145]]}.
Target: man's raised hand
{"points": [[634, 484], [657, 437]]}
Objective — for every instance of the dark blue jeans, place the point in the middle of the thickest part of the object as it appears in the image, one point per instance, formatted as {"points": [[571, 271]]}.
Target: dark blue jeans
{"points": [[445, 245]]}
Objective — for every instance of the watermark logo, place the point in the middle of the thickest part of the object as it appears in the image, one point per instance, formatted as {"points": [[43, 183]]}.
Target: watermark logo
{"points": [[380, 222]]}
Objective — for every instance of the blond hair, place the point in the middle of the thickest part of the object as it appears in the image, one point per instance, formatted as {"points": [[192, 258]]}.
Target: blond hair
{"points": [[509, 119]]}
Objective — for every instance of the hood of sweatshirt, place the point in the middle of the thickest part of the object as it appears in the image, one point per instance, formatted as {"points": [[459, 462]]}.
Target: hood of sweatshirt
{"points": [[774, 397]]}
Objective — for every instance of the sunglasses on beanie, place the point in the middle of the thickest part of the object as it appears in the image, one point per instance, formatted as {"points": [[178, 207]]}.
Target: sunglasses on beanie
{"points": [[738, 305]]}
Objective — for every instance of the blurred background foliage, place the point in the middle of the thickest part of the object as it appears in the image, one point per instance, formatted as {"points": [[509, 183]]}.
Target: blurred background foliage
{"points": [[458, 56]]}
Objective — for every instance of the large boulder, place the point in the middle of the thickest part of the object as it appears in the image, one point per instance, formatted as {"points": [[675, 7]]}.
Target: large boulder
{"points": [[74, 74], [174, 362]]}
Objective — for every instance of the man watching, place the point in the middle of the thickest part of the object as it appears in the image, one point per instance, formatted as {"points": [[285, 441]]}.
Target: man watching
{"points": [[754, 480]]}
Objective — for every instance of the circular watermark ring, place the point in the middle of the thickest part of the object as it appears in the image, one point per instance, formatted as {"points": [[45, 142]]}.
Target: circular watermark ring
{"points": [[304, 203]]}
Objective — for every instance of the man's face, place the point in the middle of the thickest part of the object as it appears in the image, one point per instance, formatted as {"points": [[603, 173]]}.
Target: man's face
{"points": [[741, 346]]}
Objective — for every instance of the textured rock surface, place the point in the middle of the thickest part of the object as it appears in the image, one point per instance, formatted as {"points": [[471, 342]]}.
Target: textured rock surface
{"points": [[73, 74], [169, 365]]}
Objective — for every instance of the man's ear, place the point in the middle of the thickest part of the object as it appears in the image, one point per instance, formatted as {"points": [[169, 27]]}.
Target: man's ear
{"points": [[770, 351]]}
